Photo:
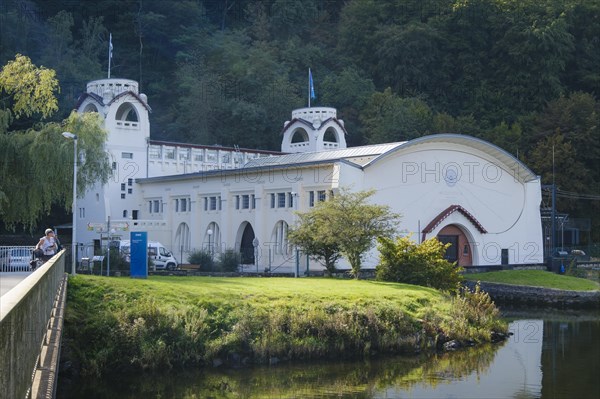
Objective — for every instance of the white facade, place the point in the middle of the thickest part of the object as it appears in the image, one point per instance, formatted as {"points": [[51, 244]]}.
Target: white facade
{"points": [[199, 197], [133, 155]]}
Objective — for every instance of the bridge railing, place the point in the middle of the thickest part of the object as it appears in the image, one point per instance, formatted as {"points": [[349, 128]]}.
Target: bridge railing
{"points": [[24, 315]]}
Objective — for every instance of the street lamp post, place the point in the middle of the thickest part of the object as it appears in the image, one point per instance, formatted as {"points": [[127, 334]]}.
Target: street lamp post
{"points": [[210, 233], [73, 137]]}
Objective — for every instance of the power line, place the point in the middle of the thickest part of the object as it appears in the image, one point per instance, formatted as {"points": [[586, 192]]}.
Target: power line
{"points": [[574, 195]]}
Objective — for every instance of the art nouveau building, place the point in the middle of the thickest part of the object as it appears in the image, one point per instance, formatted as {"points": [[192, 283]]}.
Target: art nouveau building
{"points": [[462, 189]]}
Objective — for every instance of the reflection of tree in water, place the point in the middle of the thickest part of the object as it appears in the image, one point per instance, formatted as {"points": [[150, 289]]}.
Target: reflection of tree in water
{"points": [[358, 379]]}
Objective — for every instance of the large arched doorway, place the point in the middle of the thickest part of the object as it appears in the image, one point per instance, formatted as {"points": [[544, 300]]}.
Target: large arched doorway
{"points": [[460, 250], [246, 245]]}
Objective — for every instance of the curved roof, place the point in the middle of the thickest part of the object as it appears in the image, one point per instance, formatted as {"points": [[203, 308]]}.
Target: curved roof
{"points": [[518, 168]]}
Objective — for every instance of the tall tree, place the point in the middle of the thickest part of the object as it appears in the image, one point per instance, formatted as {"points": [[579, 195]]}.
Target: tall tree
{"points": [[36, 162]]}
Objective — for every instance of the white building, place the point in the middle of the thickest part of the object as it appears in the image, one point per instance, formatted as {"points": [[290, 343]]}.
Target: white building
{"points": [[459, 188]]}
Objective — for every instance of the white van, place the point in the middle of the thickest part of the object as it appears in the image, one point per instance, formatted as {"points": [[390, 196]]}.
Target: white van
{"points": [[160, 256]]}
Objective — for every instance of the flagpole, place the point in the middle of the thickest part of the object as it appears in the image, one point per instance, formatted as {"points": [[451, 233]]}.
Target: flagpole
{"points": [[308, 87], [109, 53]]}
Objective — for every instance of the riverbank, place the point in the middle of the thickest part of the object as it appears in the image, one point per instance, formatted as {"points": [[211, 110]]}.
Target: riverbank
{"points": [[122, 324], [535, 288]]}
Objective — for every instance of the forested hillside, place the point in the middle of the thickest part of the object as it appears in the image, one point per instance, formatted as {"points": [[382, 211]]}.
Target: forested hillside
{"points": [[523, 74]]}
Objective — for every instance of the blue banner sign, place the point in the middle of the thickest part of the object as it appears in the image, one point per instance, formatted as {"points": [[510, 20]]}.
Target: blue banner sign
{"points": [[139, 254]]}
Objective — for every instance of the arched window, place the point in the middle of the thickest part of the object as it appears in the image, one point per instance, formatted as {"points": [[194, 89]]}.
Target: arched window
{"points": [[212, 238], [331, 135], [90, 108], [182, 239], [299, 136], [279, 238], [127, 112]]}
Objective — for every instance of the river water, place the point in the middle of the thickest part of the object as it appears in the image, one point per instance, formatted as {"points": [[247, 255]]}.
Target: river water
{"points": [[552, 355]]}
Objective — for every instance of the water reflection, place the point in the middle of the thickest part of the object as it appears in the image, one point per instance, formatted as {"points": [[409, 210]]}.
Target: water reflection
{"points": [[550, 359]]}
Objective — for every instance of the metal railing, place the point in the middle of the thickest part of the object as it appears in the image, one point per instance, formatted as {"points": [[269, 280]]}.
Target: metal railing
{"points": [[25, 312], [15, 258]]}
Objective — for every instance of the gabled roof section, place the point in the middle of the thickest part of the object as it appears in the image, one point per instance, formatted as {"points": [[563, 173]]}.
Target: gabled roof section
{"points": [[310, 125], [100, 101], [83, 96], [123, 94], [447, 212], [519, 169]]}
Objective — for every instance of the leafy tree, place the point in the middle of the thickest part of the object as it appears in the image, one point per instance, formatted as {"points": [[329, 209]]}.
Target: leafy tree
{"points": [[555, 154], [36, 163], [313, 233], [404, 261], [349, 91], [388, 117], [346, 223], [30, 89]]}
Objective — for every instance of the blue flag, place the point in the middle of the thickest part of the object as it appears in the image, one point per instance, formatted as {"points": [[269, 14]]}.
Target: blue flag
{"points": [[311, 84]]}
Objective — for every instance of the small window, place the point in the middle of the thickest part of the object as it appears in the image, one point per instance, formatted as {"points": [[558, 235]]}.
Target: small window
{"points": [[311, 198], [125, 213], [290, 200], [122, 186], [206, 203], [177, 205], [280, 200], [237, 202], [184, 205], [245, 201], [123, 196], [114, 166], [149, 206], [127, 155], [321, 195], [272, 200], [130, 182], [134, 214], [156, 206], [129, 191], [213, 203], [219, 202], [253, 201]]}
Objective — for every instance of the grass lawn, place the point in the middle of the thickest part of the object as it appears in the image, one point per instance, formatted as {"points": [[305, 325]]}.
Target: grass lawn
{"points": [[267, 292], [536, 278], [168, 321]]}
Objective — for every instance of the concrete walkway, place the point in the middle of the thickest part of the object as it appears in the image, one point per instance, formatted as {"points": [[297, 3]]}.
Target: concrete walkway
{"points": [[9, 279]]}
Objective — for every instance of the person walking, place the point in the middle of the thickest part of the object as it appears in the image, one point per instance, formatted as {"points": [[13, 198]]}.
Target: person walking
{"points": [[48, 245]]}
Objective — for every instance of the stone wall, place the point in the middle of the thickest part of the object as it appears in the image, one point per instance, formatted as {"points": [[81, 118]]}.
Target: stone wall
{"points": [[517, 295]]}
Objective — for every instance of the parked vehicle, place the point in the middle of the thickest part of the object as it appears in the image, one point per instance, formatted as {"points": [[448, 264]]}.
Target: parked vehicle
{"points": [[18, 258], [160, 256]]}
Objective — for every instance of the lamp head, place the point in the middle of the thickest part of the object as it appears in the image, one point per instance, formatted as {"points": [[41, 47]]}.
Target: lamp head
{"points": [[69, 135]]}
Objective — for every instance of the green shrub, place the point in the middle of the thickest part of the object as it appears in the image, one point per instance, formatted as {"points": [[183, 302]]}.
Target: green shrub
{"points": [[473, 316], [204, 259], [405, 261], [229, 260]]}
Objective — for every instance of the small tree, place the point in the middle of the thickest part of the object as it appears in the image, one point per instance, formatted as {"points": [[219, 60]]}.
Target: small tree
{"points": [[404, 261], [310, 235], [345, 224]]}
